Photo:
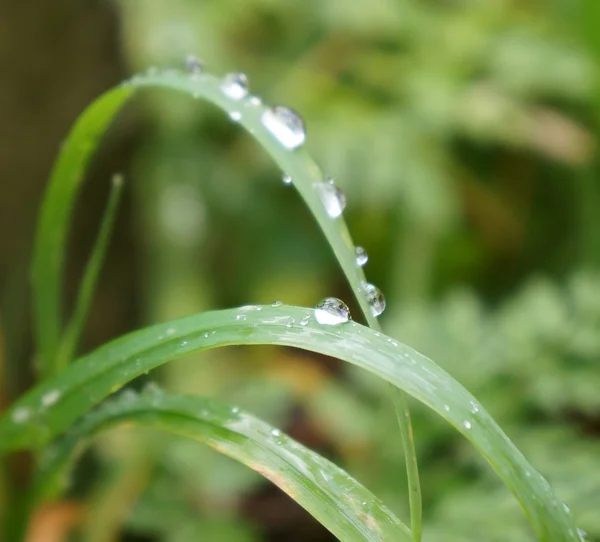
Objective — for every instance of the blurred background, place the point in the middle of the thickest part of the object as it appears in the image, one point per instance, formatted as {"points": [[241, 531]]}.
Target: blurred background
{"points": [[465, 136]]}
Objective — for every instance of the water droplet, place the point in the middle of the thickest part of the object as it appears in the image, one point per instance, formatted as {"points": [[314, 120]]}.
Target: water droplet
{"points": [[170, 331], [235, 116], [287, 179], [447, 408], [275, 433], [332, 311], [235, 85], [289, 322], [193, 65], [183, 343], [276, 304], [305, 320], [255, 101], [566, 508], [285, 125], [582, 534], [235, 410], [50, 398], [240, 317], [467, 424], [376, 299], [333, 199], [474, 407], [20, 414], [361, 256]]}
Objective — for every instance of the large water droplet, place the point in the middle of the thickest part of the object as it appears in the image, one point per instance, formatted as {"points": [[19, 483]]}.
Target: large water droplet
{"points": [[285, 125], [332, 311], [193, 65], [287, 179], [376, 299], [235, 85], [332, 197], [361, 256]]}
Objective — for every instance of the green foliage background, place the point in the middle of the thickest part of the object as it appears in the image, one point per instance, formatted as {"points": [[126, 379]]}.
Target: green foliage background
{"points": [[464, 135]]}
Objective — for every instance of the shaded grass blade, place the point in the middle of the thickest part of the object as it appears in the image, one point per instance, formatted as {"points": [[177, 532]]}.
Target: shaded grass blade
{"points": [[328, 493], [53, 405], [66, 179], [91, 275]]}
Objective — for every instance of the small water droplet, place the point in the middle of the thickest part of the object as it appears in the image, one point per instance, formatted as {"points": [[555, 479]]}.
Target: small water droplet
{"points": [[467, 424], [235, 410], [183, 343], [194, 66], [276, 304], [20, 414], [275, 433], [474, 407], [333, 199], [376, 299], [170, 331], [50, 398], [235, 116], [240, 317], [582, 534], [235, 85], [566, 508], [285, 125], [287, 179], [305, 320], [447, 408], [289, 322], [255, 101], [361, 256], [332, 311]]}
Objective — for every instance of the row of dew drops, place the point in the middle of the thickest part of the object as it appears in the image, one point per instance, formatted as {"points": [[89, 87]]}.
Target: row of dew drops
{"points": [[287, 127]]}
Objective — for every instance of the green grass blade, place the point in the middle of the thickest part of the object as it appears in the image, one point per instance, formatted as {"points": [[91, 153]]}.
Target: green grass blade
{"points": [[72, 334], [339, 502], [53, 405], [55, 216], [66, 179]]}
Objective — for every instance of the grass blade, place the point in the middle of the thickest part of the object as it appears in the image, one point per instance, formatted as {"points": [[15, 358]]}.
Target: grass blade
{"points": [[330, 495], [87, 288], [53, 405], [67, 177]]}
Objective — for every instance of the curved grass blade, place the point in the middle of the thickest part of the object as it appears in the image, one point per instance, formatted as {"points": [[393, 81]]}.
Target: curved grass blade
{"points": [[54, 404], [70, 338], [67, 177], [329, 494]]}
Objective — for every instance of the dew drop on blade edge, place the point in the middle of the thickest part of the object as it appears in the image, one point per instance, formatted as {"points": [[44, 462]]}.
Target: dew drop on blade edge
{"points": [[235, 86], [333, 199], [193, 65], [361, 256], [375, 298], [287, 179], [331, 311], [285, 125]]}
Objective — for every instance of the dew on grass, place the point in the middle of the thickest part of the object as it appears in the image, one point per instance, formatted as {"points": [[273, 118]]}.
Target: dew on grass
{"points": [[361, 256], [467, 424], [276, 304], [240, 317], [194, 66], [332, 311], [183, 343], [235, 410], [287, 179], [305, 321], [447, 408], [332, 197], [20, 414], [170, 331], [289, 322], [235, 116], [275, 433], [50, 398], [375, 298], [285, 125], [254, 101], [235, 85]]}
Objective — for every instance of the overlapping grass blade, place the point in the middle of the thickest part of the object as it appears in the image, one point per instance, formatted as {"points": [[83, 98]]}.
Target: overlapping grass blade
{"points": [[329, 494], [55, 404], [67, 177]]}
